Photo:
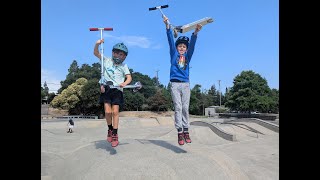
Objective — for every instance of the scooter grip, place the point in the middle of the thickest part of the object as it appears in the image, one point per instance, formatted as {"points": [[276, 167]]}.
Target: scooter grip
{"points": [[154, 8], [108, 29], [93, 29], [165, 6], [97, 29]]}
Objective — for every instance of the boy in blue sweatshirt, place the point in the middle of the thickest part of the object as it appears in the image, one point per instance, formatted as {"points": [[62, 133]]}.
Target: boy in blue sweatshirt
{"points": [[180, 56]]}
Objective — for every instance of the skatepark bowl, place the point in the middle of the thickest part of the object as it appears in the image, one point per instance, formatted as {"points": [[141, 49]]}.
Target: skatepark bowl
{"points": [[222, 149]]}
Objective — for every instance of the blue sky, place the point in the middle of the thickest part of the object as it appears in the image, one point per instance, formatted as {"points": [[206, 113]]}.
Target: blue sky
{"points": [[243, 36]]}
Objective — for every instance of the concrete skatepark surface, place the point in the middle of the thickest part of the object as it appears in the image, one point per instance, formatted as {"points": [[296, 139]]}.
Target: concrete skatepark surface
{"points": [[148, 149]]}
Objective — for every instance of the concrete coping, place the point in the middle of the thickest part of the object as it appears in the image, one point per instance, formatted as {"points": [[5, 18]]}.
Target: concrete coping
{"points": [[217, 130], [266, 124], [78, 117]]}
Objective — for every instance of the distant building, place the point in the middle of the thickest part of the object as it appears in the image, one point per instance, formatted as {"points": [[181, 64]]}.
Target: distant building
{"points": [[211, 111]]}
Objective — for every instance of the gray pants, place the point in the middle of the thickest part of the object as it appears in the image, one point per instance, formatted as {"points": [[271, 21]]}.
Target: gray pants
{"points": [[180, 93]]}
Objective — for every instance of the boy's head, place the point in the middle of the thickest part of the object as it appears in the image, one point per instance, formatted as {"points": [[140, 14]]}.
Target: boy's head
{"points": [[119, 53], [182, 44]]}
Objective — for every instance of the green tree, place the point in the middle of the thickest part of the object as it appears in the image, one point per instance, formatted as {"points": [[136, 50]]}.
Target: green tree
{"points": [[43, 94], [85, 71], [148, 85], [156, 82], [250, 92], [50, 97], [159, 101], [70, 96], [274, 107], [213, 96], [89, 72], [88, 103], [167, 96], [133, 100], [46, 89], [71, 76], [196, 100]]}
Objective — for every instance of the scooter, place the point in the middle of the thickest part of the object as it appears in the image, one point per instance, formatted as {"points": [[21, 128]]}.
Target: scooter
{"points": [[184, 28], [101, 46]]}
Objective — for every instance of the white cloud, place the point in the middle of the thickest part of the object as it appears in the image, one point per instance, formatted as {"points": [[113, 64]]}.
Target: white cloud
{"points": [[139, 41], [52, 82]]}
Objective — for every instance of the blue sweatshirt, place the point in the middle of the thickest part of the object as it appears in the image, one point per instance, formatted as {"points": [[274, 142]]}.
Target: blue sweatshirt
{"points": [[180, 71]]}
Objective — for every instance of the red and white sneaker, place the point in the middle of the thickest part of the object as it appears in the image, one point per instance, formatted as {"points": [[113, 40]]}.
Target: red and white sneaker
{"points": [[180, 139], [109, 136], [187, 137], [115, 141]]}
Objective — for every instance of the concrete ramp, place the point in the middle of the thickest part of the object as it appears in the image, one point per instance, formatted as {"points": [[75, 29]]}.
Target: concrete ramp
{"points": [[166, 121], [246, 130], [204, 135]]}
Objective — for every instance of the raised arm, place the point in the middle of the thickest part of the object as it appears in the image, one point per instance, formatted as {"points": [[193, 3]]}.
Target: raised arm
{"points": [[169, 36], [96, 48], [165, 20], [193, 41]]}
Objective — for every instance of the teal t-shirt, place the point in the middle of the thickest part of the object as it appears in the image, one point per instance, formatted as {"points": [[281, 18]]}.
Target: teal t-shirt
{"points": [[114, 73]]}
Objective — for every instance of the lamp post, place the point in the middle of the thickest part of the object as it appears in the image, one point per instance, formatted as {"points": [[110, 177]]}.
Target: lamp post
{"points": [[204, 91], [220, 92]]}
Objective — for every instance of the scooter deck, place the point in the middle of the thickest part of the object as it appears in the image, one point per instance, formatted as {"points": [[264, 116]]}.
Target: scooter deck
{"points": [[193, 25], [137, 85], [127, 86]]}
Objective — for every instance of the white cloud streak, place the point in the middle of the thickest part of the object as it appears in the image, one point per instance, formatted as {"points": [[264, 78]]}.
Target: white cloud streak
{"points": [[138, 41]]}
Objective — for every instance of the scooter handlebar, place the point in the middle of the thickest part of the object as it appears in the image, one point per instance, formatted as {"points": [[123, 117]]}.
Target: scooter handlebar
{"points": [[164, 6], [158, 7], [97, 29]]}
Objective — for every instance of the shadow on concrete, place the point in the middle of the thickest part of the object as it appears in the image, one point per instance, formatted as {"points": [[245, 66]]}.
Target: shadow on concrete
{"points": [[162, 143], [103, 144]]}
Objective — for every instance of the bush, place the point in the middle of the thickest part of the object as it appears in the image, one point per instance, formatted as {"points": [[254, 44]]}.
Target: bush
{"points": [[221, 110]]}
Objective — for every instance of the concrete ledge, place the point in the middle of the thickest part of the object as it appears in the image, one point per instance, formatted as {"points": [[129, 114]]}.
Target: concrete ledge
{"points": [[47, 117], [266, 124], [77, 117], [67, 117], [217, 130], [264, 116]]}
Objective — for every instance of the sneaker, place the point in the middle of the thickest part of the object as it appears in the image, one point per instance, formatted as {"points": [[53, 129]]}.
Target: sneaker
{"points": [[180, 139], [187, 137], [109, 138], [115, 141]]}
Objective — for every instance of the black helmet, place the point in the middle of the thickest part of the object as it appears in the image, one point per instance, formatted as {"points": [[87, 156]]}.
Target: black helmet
{"points": [[182, 39]]}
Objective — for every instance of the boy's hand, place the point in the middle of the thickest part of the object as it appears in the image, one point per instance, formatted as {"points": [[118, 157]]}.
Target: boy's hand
{"points": [[165, 20], [102, 89], [123, 85], [100, 41], [198, 28]]}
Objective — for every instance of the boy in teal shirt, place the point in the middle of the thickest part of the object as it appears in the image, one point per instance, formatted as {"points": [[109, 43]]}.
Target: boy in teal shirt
{"points": [[118, 73]]}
